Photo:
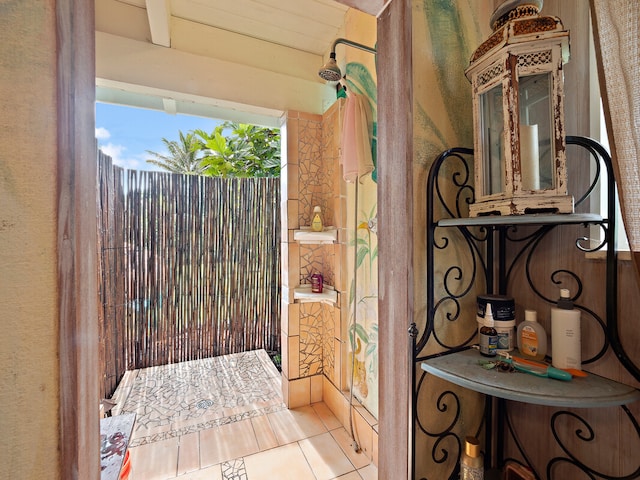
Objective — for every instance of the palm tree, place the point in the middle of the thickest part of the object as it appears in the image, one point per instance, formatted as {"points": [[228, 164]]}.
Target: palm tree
{"points": [[182, 157], [247, 151]]}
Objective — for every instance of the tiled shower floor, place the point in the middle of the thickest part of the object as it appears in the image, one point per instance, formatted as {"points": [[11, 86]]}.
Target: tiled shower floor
{"points": [[223, 418]]}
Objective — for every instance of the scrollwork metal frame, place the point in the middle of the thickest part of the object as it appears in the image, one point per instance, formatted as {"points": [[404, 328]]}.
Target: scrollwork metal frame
{"points": [[484, 257]]}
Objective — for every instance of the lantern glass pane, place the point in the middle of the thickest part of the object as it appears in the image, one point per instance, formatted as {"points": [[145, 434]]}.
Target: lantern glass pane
{"points": [[492, 131], [536, 132]]}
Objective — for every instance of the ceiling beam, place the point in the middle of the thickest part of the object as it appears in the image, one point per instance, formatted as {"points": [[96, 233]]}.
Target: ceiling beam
{"points": [[159, 14], [170, 106], [167, 71], [372, 7]]}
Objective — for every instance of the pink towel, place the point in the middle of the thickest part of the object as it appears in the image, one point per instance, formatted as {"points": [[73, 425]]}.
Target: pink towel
{"points": [[355, 144]]}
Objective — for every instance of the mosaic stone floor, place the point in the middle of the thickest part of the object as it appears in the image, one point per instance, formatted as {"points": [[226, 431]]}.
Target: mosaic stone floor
{"points": [[223, 419], [174, 400]]}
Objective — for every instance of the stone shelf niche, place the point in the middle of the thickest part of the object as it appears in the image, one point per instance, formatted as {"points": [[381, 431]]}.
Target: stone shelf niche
{"points": [[303, 294], [306, 236]]}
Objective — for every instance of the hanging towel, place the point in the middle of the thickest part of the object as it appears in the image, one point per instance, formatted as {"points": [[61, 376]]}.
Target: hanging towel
{"points": [[355, 144]]}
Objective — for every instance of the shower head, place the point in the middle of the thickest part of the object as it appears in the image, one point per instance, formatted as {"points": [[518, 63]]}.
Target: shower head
{"points": [[330, 70]]}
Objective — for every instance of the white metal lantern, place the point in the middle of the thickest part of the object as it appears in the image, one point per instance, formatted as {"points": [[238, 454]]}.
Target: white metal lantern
{"points": [[518, 110]]}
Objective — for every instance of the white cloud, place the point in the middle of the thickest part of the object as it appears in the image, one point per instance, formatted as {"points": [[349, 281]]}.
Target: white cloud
{"points": [[114, 151], [130, 162], [102, 133]]}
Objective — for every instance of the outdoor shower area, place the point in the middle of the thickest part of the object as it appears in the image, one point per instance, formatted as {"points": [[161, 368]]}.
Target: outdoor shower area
{"points": [[189, 268], [201, 305], [194, 269]]}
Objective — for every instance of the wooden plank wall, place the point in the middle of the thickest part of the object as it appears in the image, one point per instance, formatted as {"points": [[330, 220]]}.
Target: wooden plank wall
{"points": [[615, 438], [190, 267]]}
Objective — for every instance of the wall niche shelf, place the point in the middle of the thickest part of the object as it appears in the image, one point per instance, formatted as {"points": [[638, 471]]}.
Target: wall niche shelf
{"points": [[309, 237], [466, 256], [303, 294], [462, 368]]}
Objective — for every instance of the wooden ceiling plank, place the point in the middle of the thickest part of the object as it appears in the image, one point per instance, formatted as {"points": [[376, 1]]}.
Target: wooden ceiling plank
{"points": [[293, 31], [330, 13], [243, 17]]}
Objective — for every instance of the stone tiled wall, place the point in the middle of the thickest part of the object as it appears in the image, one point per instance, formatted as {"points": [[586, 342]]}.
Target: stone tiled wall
{"points": [[334, 333], [311, 334], [311, 329]]}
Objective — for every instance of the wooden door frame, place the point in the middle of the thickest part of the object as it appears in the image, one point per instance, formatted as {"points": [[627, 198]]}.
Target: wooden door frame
{"points": [[395, 229], [76, 241], [77, 273], [395, 236]]}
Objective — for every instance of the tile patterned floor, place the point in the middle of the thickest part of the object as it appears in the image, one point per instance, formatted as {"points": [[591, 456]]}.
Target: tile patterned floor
{"points": [[223, 419], [174, 400]]}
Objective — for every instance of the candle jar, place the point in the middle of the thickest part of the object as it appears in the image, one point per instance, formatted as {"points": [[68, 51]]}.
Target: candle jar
{"points": [[316, 283]]}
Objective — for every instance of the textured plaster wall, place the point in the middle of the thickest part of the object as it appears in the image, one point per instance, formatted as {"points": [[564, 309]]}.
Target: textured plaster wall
{"points": [[360, 315], [29, 382], [445, 34]]}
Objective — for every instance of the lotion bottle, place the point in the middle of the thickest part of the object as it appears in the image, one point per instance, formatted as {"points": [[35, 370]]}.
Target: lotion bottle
{"points": [[316, 221], [471, 462], [565, 333], [532, 338], [488, 335]]}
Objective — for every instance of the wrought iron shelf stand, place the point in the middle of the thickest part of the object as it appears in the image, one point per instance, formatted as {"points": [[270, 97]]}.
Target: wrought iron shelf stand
{"points": [[592, 391], [484, 242]]}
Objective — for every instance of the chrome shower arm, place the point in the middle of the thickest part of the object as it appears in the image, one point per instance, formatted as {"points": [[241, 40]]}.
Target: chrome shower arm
{"points": [[352, 44]]}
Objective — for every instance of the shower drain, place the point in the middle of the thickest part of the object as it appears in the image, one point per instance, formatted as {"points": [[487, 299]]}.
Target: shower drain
{"points": [[204, 404]]}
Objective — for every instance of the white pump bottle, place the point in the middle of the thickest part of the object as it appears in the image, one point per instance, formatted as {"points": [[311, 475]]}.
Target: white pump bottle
{"points": [[565, 333]]}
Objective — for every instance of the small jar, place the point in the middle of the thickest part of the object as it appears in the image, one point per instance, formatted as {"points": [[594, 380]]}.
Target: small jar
{"points": [[488, 335], [316, 283], [504, 316]]}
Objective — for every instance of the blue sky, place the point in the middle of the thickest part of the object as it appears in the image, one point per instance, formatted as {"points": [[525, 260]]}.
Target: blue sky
{"points": [[126, 133]]}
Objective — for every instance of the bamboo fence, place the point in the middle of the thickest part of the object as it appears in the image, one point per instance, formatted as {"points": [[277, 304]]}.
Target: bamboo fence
{"points": [[189, 267]]}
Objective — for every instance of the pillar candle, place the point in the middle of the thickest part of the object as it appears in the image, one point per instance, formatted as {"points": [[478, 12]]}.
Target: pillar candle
{"points": [[529, 157]]}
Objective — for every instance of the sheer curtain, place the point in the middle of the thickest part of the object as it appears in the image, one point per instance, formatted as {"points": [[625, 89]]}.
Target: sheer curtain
{"points": [[616, 28]]}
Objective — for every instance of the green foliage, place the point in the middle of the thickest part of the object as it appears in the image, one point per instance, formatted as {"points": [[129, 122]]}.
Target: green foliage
{"points": [[182, 157], [231, 150], [247, 151]]}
